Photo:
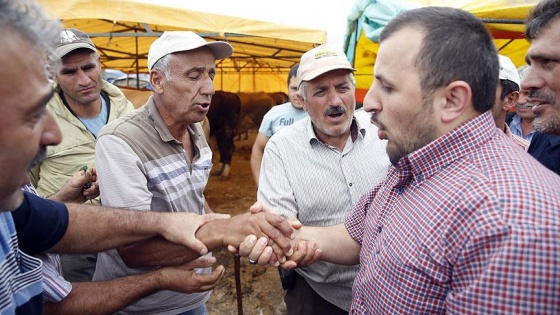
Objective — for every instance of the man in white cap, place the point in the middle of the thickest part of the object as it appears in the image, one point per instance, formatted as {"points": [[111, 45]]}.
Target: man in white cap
{"points": [[31, 225], [318, 168], [158, 158], [82, 104], [507, 94]]}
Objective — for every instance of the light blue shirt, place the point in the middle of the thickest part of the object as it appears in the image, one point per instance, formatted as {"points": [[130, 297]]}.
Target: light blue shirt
{"points": [[95, 124], [280, 116], [515, 128]]}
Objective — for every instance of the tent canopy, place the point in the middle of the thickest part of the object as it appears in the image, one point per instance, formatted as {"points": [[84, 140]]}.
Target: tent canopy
{"points": [[503, 18], [123, 31]]}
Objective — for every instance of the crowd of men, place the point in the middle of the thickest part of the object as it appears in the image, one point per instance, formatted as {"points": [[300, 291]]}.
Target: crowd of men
{"points": [[419, 203]]}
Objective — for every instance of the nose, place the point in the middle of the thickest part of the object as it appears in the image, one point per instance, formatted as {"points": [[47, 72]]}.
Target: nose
{"points": [[371, 103], [51, 132], [82, 78], [333, 97], [208, 87], [532, 79]]}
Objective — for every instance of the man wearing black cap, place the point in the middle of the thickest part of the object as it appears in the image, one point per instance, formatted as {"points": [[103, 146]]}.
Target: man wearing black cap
{"points": [[82, 104], [158, 158]]}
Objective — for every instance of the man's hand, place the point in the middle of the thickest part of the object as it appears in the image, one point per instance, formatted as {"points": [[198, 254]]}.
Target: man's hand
{"points": [[181, 227], [272, 226], [305, 253], [184, 279], [79, 188]]}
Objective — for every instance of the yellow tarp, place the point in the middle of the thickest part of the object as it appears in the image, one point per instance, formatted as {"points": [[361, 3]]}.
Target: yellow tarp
{"points": [[123, 31], [504, 19]]}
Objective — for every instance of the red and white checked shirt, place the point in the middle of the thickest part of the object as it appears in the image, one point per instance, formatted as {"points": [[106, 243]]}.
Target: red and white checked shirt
{"points": [[468, 224]]}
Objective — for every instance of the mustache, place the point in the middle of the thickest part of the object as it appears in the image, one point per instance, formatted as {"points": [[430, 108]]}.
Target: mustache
{"points": [[335, 110], [540, 95], [523, 106], [40, 157]]}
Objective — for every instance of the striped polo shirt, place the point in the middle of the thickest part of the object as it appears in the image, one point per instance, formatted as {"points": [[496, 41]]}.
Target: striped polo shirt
{"points": [[141, 166]]}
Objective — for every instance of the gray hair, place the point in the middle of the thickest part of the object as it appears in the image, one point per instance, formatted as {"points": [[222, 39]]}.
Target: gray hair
{"points": [[29, 19], [302, 88], [162, 65]]}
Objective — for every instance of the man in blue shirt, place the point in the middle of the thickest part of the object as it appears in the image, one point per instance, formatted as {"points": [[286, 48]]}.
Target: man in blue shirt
{"points": [[278, 117]]}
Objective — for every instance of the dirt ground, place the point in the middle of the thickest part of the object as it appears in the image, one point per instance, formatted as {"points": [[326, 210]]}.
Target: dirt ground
{"points": [[260, 286]]}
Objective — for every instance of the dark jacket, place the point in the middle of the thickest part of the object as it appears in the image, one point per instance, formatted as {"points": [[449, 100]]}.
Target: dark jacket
{"points": [[546, 149]]}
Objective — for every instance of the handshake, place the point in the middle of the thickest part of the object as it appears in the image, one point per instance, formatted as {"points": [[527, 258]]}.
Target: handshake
{"points": [[288, 252]]}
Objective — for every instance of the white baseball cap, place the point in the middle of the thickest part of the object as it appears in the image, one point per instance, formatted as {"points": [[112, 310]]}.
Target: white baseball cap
{"points": [[508, 71], [174, 41], [319, 60]]}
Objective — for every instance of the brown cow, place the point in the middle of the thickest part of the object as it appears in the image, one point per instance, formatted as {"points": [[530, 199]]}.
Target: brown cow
{"points": [[253, 108], [223, 116]]}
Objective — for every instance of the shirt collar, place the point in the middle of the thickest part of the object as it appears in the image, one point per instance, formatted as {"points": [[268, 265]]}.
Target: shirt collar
{"points": [[161, 127]]}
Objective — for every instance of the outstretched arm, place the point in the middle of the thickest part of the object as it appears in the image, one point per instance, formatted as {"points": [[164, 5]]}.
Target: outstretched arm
{"points": [[107, 297], [214, 234], [93, 229]]}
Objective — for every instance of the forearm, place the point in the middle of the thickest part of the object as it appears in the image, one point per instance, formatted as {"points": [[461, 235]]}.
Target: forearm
{"points": [[93, 229], [233, 231], [105, 297], [256, 159], [156, 252], [257, 153], [336, 244]]}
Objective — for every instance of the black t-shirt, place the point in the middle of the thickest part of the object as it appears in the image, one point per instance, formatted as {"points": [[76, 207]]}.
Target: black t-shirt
{"points": [[40, 223]]}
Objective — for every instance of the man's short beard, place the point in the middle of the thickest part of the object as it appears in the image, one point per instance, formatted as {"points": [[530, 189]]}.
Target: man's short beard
{"points": [[549, 126]]}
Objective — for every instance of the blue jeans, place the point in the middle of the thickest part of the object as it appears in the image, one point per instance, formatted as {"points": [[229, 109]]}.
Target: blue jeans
{"points": [[201, 310]]}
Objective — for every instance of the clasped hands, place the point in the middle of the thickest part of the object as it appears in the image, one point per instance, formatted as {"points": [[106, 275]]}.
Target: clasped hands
{"points": [[265, 251]]}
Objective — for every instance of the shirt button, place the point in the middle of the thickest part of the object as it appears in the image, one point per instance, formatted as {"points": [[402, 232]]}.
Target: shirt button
{"points": [[350, 184], [399, 190]]}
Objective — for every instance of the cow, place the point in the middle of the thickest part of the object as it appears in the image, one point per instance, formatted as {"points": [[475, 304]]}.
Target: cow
{"points": [[253, 108], [223, 117], [279, 97]]}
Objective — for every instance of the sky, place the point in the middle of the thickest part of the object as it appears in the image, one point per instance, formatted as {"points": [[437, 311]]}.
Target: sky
{"points": [[329, 16]]}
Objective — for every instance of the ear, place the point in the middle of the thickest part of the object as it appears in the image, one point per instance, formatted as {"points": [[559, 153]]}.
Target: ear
{"points": [[156, 81], [510, 100], [456, 98]]}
